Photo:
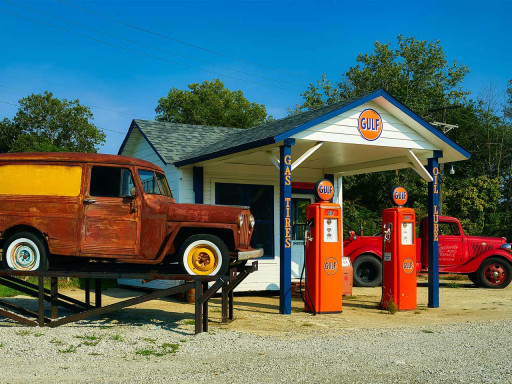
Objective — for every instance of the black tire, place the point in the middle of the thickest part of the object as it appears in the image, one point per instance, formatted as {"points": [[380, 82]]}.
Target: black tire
{"points": [[25, 251], [204, 254], [473, 277], [494, 273], [367, 271]]}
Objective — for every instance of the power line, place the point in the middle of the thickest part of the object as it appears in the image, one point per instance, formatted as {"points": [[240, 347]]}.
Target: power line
{"points": [[103, 129], [147, 45], [175, 39], [140, 53], [89, 105]]}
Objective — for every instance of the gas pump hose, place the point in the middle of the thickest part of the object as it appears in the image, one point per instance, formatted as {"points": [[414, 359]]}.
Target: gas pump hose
{"points": [[312, 310]]}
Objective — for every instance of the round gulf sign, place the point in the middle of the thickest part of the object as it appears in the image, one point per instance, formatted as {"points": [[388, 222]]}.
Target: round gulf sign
{"points": [[399, 196], [408, 266], [331, 266], [324, 190], [370, 124]]}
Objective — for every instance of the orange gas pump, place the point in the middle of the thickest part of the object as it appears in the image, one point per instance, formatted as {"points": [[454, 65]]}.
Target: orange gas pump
{"points": [[323, 237], [399, 254]]}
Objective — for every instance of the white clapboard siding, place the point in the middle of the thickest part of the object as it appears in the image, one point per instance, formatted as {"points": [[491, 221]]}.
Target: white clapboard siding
{"points": [[137, 146], [267, 276], [343, 129]]}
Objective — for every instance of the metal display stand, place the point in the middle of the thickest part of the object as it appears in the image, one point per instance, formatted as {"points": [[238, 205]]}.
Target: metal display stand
{"points": [[99, 271]]}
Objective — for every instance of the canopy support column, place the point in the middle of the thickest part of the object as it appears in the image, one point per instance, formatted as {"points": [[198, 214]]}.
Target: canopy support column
{"points": [[285, 228], [434, 190]]}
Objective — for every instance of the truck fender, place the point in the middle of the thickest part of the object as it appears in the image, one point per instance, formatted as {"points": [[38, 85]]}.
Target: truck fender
{"points": [[373, 250]]}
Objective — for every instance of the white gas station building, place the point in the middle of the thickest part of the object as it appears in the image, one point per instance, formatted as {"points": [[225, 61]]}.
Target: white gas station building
{"points": [[230, 166]]}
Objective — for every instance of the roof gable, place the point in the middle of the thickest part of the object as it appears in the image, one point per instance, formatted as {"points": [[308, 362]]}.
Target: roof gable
{"points": [[173, 141], [287, 127]]}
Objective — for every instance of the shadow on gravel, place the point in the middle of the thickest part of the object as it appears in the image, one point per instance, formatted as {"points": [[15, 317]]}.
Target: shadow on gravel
{"points": [[170, 321], [454, 284]]}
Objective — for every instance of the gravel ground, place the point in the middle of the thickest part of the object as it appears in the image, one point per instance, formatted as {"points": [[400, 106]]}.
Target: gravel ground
{"points": [[116, 352]]}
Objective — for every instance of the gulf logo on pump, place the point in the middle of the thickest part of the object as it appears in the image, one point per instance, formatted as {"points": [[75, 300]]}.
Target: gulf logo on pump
{"points": [[370, 124], [324, 190], [399, 196], [408, 266]]}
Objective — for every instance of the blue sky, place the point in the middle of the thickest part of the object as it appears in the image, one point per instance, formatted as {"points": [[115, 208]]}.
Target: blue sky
{"points": [[283, 44]]}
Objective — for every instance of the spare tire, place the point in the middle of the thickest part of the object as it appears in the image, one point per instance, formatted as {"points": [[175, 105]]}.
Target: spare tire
{"points": [[367, 270]]}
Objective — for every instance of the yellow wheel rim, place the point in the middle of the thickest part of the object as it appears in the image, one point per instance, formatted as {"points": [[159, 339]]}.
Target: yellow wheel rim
{"points": [[202, 259]]}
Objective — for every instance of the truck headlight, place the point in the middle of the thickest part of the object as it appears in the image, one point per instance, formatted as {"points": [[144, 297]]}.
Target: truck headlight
{"points": [[240, 220], [252, 221], [506, 247]]}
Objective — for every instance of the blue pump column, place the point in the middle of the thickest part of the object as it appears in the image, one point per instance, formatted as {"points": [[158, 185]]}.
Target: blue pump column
{"points": [[285, 228], [434, 189]]}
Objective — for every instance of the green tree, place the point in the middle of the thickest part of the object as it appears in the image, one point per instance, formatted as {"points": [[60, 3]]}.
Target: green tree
{"points": [[211, 104], [47, 124], [416, 72]]}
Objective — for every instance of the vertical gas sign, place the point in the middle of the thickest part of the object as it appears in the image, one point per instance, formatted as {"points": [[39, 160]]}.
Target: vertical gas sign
{"points": [[285, 227], [434, 188]]}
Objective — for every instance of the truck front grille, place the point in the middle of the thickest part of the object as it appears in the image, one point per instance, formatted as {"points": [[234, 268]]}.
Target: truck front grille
{"points": [[245, 235]]}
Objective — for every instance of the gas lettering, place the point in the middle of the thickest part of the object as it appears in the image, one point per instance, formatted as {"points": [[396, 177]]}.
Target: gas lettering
{"points": [[288, 170]]}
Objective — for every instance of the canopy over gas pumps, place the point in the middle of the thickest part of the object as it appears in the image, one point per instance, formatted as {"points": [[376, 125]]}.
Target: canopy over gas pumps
{"points": [[371, 133]]}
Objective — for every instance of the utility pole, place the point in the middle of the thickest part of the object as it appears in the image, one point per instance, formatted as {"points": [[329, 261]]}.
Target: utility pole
{"points": [[445, 128]]}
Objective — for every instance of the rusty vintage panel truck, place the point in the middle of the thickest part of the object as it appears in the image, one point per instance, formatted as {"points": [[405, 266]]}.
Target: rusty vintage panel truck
{"points": [[486, 260], [56, 206]]}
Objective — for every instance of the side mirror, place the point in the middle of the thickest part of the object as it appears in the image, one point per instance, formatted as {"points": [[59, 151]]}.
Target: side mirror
{"points": [[133, 191]]}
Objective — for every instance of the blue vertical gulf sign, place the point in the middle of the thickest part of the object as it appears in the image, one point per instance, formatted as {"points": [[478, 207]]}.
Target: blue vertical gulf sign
{"points": [[285, 270], [434, 188]]}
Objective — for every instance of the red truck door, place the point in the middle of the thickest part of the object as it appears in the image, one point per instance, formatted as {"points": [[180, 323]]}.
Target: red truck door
{"points": [[111, 217], [452, 245]]}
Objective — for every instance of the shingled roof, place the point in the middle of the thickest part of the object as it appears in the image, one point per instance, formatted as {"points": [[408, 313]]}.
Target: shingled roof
{"points": [[173, 141], [183, 144]]}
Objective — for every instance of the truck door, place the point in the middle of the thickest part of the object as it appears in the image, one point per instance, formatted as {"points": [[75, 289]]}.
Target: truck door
{"points": [[111, 216], [452, 250]]}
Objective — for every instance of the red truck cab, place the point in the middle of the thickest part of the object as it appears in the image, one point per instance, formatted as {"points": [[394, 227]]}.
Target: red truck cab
{"points": [[486, 260]]}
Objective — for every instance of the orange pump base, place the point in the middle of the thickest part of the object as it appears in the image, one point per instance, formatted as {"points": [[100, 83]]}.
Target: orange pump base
{"points": [[323, 259], [399, 259]]}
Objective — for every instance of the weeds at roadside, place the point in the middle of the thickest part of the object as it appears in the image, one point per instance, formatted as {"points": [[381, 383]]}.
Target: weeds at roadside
{"points": [[390, 306], [452, 285], [297, 310], [56, 342], [70, 349], [427, 331], [117, 337], [1, 345], [23, 333], [38, 334], [95, 354], [307, 324], [417, 312], [164, 349], [89, 340], [149, 340], [189, 322]]}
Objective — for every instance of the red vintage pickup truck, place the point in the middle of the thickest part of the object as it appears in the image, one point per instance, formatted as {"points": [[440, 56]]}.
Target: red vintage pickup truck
{"points": [[486, 260]]}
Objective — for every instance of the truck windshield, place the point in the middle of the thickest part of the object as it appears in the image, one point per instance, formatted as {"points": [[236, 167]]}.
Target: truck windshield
{"points": [[154, 183]]}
